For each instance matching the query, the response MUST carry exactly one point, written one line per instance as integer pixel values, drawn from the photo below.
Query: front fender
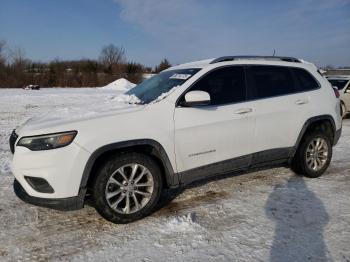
(170, 176)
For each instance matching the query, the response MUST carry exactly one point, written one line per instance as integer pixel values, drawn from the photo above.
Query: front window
(161, 84)
(224, 85)
(339, 83)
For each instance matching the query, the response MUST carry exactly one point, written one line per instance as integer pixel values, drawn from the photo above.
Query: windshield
(339, 83)
(152, 88)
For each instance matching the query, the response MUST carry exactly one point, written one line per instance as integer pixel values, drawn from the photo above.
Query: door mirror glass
(197, 98)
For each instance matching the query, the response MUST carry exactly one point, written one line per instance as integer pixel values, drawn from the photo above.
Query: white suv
(189, 122)
(342, 83)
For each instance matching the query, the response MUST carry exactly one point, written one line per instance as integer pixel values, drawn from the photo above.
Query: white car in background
(343, 85)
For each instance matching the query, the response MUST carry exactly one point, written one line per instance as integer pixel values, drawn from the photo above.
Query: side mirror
(196, 98)
(347, 91)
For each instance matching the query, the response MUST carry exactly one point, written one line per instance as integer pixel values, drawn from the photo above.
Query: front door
(217, 137)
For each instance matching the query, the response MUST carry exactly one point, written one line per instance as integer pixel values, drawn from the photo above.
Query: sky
(180, 30)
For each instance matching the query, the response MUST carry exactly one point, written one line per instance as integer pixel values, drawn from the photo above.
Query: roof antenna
(274, 52)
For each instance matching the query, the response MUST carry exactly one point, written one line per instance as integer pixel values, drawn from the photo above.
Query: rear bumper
(63, 204)
(337, 136)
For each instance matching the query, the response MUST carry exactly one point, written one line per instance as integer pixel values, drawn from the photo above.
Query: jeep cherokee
(189, 122)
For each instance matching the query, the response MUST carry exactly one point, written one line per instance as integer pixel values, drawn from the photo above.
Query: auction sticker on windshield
(180, 76)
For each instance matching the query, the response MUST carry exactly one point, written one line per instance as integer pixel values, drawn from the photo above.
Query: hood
(74, 114)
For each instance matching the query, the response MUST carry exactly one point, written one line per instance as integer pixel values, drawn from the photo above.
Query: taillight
(336, 92)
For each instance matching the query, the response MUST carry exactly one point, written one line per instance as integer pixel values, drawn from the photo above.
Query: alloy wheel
(317, 154)
(129, 188)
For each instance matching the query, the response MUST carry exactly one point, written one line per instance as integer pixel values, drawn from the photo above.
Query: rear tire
(313, 155)
(127, 187)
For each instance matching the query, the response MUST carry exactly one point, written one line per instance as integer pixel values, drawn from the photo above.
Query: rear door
(219, 133)
(281, 110)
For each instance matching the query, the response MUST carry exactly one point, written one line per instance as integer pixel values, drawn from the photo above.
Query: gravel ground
(263, 215)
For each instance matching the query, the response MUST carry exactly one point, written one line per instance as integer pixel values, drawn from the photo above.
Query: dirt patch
(192, 201)
(29, 106)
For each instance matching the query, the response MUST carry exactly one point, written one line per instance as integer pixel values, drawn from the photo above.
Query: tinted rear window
(305, 81)
(270, 81)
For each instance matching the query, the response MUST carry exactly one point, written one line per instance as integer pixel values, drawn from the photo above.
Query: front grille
(12, 141)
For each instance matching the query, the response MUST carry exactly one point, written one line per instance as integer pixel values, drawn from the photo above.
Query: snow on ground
(262, 215)
(120, 84)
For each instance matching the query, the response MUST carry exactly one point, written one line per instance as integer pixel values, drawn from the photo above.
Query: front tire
(127, 187)
(313, 155)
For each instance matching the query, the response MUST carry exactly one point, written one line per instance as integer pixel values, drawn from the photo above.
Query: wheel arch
(147, 146)
(313, 122)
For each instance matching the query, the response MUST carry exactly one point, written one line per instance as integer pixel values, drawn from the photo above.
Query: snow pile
(126, 99)
(120, 84)
(183, 224)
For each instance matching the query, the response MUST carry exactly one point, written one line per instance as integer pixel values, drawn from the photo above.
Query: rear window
(305, 81)
(270, 81)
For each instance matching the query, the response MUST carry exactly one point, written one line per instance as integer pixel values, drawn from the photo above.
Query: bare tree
(17, 71)
(134, 72)
(164, 64)
(18, 66)
(112, 57)
(2, 52)
(3, 69)
(17, 55)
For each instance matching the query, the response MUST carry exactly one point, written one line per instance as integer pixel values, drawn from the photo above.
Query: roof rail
(279, 58)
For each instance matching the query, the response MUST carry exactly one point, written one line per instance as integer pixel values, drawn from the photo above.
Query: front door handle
(244, 111)
(302, 101)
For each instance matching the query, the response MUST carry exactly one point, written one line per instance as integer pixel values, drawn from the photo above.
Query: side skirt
(270, 157)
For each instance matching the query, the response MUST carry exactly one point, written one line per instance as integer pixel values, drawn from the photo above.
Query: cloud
(302, 9)
(177, 26)
(191, 16)
(185, 30)
(153, 15)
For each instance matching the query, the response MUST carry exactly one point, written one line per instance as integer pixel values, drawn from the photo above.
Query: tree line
(17, 71)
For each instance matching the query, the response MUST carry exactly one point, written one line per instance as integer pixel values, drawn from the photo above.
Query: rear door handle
(302, 101)
(244, 111)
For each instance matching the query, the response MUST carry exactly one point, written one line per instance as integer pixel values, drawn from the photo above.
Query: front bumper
(61, 168)
(63, 204)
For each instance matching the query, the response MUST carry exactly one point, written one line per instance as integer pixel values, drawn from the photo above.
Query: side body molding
(157, 149)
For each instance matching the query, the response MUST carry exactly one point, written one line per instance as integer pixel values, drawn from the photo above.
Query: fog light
(39, 184)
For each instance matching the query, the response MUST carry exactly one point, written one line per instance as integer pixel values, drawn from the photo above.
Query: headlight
(46, 142)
